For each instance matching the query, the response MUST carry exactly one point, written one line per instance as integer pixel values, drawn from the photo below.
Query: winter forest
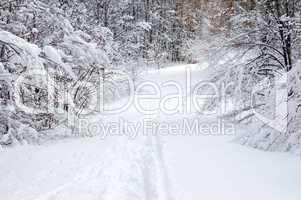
(150, 99)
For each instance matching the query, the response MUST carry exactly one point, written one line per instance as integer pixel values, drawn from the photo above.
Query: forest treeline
(130, 30)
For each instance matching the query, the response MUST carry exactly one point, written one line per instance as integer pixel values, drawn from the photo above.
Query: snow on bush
(77, 57)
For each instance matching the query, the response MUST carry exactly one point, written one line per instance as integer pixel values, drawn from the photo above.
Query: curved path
(188, 165)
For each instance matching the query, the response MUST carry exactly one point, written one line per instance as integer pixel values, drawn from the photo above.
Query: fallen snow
(149, 167)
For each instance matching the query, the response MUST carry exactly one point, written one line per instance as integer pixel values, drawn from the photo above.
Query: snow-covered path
(149, 167)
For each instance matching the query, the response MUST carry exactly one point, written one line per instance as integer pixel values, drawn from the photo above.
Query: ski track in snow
(130, 171)
(148, 167)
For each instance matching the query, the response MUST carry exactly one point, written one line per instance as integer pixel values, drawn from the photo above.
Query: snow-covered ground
(149, 167)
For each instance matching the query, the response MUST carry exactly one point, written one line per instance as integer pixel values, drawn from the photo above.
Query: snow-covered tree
(266, 35)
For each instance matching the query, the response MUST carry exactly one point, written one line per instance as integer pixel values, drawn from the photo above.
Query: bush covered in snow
(262, 48)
